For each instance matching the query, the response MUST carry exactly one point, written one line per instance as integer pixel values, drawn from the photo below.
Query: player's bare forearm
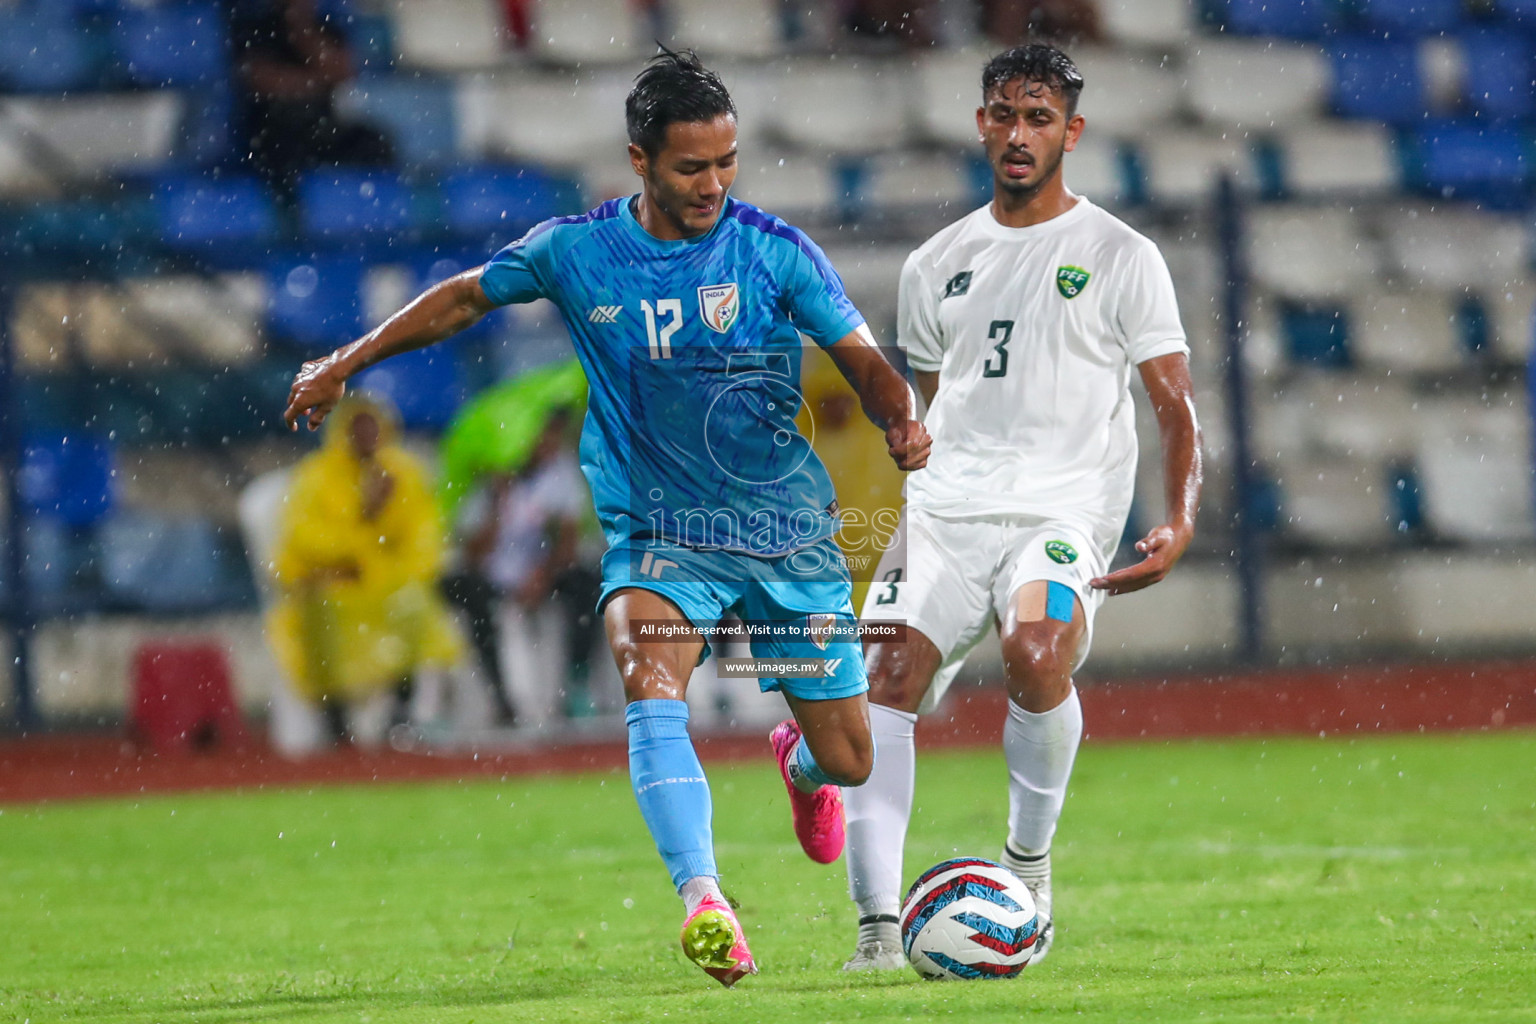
(885, 397)
(1173, 401)
(437, 313)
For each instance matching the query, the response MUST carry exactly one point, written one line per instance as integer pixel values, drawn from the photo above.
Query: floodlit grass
(1376, 879)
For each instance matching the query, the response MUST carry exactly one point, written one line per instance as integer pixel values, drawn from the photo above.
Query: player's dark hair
(674, 87)
(1035, 62)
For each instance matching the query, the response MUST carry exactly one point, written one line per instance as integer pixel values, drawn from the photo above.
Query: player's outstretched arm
(437, 313)
(885, 396)
(1173, 400)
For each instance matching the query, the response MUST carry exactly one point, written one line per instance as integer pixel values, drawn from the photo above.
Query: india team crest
(718, 305)
(1071, 281)
(819, 625)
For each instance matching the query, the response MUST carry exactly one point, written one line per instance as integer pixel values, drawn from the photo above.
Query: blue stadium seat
(1500, 69)
(167, 565)
(1316, 335)
(416, 113)
(67, 477)
(426, 385)
(195, 211)
(351, 204)
(1517, 10)
(315, 304)
(498, 201)
(1472, 160)
(1378, 79)
(172, 45)
(39, 53)
(1410, 17)
(1291, 19)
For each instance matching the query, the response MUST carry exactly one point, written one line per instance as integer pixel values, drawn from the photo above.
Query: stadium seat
(868, 117)
(1500, 67)
(1122, 94)
(499, 201)
(414, 111)
(582, 32)
(1315, 334)
(1097, 169)
(1147, 23)
(352, 204)
(1470, 159)
(1408, 332)
(315, 304)
(425, 385)
(1285, 19)
(39, 53)
(1333, 501)
(1184, 166)
(1455, 248)
(1257, 85)
(1378, 79)
(1410, 17)
(1512, 321)
(81, 137)
(730, 28)
(913, 181)
(557, 120)
(1321, 158)
(946, 92)
(446, 35)
(1475, 470)
(1358, 415)
(1309, 253)
(169, 564)
(67, 477)
(171, 45)
(789, 184)
(195, 212)
(871, 274)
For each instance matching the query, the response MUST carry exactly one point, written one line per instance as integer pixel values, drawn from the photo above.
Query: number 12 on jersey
(660, 335)
(1000, 333)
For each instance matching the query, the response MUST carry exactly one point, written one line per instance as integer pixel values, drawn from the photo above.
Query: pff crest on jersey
(719, 305)
(1071, 281)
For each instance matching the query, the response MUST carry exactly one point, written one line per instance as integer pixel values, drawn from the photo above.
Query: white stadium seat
(1147, 23)
(734, 28)
(790, 185)
(446, 35)
(1512, 321)
(1333, 500)
(1329, 157)
(1309, 252)
(841, 106)
(1368, 416)
(917, 180)
(871, 275)
(1456, 248)
(1475, 471)
(947, 88)
(577, 32)
(1406, 332)
(1095, 169)
(1184, 166)
(1258, 85)
(48, 140)
(563, 120)
(1124, 94)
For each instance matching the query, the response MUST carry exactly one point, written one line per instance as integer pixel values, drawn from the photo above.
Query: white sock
(697, 888)
(877, 814)
(1039, 750)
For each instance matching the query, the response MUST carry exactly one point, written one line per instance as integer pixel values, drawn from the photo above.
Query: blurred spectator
(1011, 22)
(289, 62)
(528, 548)
(909, 21)
(357, 560)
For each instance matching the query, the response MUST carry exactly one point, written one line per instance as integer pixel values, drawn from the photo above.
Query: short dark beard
(1019, 190)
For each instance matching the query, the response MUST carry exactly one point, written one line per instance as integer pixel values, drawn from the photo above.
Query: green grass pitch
(1373, 879)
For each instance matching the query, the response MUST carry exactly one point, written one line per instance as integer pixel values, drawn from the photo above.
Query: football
(967, 919)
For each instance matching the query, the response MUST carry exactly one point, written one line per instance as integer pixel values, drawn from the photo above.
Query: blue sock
(670, 787)
(803, 768)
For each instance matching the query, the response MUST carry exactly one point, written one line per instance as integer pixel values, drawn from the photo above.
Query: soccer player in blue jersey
(686, 309)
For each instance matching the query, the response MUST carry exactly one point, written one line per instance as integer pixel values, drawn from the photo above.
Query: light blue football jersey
(692, 353)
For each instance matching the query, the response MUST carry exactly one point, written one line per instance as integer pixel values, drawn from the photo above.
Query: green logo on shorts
(1071, 281)
(1060, 551)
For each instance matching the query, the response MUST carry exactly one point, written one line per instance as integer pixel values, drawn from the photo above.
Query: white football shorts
(954, 579)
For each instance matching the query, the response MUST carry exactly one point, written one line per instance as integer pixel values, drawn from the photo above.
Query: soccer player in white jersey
(1023, 322)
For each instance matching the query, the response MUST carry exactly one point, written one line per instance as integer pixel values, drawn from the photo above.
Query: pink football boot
(713, 939)
(818, 816)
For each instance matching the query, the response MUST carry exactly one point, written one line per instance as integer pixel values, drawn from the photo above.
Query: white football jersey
(1034, 333)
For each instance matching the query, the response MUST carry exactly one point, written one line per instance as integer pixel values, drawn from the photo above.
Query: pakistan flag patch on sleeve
(1071, 281)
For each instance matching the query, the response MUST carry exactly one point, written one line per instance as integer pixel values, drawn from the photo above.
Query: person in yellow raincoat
(357, 561)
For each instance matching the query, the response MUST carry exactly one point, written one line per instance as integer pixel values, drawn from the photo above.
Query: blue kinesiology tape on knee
(1059, 600)
(670, 787)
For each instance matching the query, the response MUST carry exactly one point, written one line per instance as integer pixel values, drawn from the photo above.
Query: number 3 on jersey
(661, 335)
(1000, 333)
